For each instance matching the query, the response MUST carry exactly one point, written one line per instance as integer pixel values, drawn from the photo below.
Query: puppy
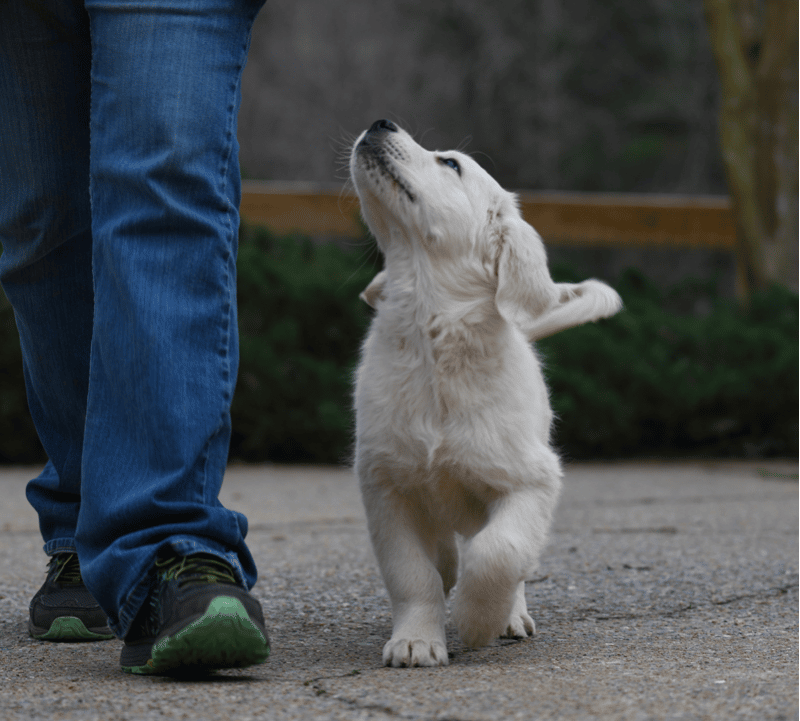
(452, 412)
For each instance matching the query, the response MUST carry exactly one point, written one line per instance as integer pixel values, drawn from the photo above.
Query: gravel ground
(668, 591)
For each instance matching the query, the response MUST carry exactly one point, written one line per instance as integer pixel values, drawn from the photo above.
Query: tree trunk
(755, 43)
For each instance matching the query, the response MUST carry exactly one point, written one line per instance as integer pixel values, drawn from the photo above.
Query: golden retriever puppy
(452, 412)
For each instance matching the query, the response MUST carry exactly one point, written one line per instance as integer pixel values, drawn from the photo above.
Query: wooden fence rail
(679, 221)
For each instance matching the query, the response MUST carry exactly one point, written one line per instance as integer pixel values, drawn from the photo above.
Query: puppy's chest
(459, 353)
(428, 393)
(442, 358)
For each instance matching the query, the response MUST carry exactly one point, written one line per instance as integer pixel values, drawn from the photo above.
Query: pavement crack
(653, 529)
(666, 500)
(766, 593)
(634, 616)
(587, 614)
(316, 684)
(327, 525)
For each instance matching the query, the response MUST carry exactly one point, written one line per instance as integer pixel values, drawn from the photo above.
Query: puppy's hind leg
(405, 545)
(490, 595)
(520, 624)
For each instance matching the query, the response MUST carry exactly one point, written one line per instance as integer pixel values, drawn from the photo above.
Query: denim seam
(227, 258)
(231, 211)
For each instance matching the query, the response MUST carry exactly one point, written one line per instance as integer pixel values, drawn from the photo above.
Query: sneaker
(63, 609)
(197, 617)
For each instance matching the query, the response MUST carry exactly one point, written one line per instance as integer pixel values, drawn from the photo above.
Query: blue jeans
(119, 197)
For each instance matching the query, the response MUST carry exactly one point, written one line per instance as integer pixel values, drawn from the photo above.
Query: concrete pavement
(668, 591)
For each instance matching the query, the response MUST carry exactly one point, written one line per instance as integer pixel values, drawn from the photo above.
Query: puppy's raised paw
(404, 652)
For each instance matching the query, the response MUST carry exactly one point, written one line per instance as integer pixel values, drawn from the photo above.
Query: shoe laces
(67, 569)
(195, 569)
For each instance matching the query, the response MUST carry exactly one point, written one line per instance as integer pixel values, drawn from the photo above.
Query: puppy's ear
(374, 291)
(524, 287)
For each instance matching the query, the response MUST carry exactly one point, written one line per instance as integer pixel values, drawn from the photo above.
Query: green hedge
(300, 324)
(18, 440)
(676, 373)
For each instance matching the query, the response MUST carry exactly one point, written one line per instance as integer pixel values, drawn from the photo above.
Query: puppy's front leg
(577, 303)
(490, 594)
(405, 545)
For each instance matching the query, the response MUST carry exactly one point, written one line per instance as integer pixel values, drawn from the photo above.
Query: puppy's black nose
(382, 126)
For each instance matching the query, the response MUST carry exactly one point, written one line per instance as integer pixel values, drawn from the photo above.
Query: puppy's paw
(520, 625)
(480, 611)
(404, 652)
(477, 635)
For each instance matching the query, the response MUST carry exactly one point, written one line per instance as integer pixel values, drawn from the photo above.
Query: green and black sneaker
(197, 617)
(63, 609)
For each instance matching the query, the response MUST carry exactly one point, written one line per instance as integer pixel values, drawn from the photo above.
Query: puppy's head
(444, 207)
(438, 199)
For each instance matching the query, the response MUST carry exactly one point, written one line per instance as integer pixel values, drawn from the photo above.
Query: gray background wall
(614, 96)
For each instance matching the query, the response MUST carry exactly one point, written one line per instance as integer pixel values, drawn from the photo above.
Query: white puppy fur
(452, 412)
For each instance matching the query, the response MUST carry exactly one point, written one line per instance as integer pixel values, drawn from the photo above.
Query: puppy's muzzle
(378, 151)
(377, 133)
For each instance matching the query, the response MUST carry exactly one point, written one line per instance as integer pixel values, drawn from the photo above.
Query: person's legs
(165, 192)
(135, 472)
(45, 231)
(46, 272)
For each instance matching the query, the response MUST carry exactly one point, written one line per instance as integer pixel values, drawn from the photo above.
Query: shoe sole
(69, 628)
(223, 637)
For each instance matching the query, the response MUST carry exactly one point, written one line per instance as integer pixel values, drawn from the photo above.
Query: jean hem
(60, 545)
(136, 599)
(189, 546)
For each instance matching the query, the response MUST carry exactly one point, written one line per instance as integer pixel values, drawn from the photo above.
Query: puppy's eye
(452, 163)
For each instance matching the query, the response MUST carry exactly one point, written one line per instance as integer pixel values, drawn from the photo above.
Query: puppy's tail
(577, 304)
